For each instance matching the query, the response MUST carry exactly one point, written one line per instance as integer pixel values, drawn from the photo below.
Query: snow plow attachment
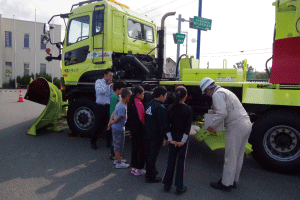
(43, 92)
(216, 141)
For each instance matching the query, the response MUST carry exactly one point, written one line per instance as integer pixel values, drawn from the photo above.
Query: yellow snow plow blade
(43, 92)
(216, 141)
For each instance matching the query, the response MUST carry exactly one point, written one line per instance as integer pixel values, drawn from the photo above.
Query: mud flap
(216, 141)
(43, 92)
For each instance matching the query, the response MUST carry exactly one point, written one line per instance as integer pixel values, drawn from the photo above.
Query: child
(178, 120)
(118, 87)
(155, 132)
(117, 123)
(136, 119)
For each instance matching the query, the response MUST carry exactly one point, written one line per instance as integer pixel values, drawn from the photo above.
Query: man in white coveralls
(228, 108)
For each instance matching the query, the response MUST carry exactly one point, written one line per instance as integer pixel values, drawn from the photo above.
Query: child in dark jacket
(136, 119)
(155, 136)
(178, 120)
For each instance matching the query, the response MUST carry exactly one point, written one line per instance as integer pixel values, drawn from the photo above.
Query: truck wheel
(81, 117)
(275, 139)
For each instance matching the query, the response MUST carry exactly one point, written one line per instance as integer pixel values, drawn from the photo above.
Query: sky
(241, 29)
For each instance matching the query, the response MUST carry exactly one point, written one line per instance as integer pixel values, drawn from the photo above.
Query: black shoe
(233, 185)
(167, 188)
(94, 146)
(219, 186)
(155, 180)
(180, 191)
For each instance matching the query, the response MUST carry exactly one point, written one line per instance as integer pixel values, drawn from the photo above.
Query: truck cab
(98, 35)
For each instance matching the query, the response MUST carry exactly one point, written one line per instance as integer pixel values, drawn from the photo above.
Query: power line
(170, 2)
(175, 8)
(237, 51)
(229, 55)
(185, 5)
(236, 55)
(147, 5)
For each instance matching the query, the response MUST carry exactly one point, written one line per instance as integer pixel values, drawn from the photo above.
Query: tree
(240, 65)
(250, 68)
(262, 75)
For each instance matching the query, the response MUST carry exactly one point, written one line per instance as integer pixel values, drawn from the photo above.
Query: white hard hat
(205, 82)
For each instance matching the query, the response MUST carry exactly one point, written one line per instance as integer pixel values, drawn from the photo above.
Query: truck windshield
(140, 31)
(78, 29)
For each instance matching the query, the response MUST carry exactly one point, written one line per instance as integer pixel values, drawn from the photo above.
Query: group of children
(150, 128)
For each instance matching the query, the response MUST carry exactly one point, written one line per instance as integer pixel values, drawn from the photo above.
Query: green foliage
(56, 82)
(251, 69)
(262, 75)
(9, 85)
(25, 80)
(240, 65)
(48, 77)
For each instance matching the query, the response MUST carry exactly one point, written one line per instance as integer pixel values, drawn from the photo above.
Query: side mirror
(46, 29)
(45, 40)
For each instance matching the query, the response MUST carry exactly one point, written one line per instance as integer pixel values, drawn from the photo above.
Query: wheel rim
(282, 143)
(84, 118)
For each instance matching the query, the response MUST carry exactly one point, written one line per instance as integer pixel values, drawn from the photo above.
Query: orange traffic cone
(20, 97)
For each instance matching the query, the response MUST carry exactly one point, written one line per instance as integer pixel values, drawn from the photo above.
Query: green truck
(103, 34)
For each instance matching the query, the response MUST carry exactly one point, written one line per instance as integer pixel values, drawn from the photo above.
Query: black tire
(275, 139)
(81, 117)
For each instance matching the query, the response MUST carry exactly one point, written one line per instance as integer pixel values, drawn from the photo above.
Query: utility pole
(34, 75)
(52, 63)
(199, 31)
(179, 31)
(186, 42)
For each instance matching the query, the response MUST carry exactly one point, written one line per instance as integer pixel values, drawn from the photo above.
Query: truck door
(77, 46)
(118, 32)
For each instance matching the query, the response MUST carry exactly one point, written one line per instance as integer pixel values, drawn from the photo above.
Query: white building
(25, 49)
(170, 68)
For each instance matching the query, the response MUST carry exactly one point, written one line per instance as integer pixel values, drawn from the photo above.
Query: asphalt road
(52, 166)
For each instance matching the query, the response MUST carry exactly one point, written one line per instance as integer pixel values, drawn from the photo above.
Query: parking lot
(53, 166)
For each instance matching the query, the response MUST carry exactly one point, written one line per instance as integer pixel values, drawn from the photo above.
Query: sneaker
(137, 173)
(133, 170)
(122, 165)
(167, 188)
(122, 161)
(153, 180)
(141, 171)
(180, 191)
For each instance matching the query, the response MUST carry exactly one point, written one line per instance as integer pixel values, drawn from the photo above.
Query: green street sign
(201, 23)
(178, 38)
